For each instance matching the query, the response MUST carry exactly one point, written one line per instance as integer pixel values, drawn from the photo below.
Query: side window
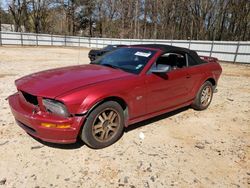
(175, 60)
(191, 61)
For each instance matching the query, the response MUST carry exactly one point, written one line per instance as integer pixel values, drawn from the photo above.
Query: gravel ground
(185, 148)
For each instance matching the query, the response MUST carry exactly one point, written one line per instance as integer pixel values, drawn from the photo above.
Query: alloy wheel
(106, 125)
(206, 95)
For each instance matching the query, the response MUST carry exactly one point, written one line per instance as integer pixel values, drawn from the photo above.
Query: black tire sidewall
(86, 134)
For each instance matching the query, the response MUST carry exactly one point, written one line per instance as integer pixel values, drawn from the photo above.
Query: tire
(104, 125)
(203, 97)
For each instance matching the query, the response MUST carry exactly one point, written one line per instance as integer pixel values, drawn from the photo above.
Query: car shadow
(155, 119)
(132, 127)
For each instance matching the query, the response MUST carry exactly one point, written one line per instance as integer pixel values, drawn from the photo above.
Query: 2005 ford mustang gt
(96, 101)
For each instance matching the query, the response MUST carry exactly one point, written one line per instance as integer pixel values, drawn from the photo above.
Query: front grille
(30, 98)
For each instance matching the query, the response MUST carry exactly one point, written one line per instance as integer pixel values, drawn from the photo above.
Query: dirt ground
(186, 148)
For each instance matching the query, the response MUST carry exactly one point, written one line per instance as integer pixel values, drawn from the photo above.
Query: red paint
(81, 87)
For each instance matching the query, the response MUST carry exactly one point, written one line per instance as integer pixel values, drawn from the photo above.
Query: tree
(1, 16)
(16, 8)
(39, 13)
(157, 19)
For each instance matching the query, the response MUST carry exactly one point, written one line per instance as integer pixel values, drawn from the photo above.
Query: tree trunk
(155, 10)
(145, 18)
(135, 19)
(0, 19)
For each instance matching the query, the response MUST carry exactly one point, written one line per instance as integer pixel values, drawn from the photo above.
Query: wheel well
(119, 100)
(116, 99)
(212, 81)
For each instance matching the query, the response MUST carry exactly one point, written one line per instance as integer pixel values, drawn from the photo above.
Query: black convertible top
(169, 49)
(163, 47)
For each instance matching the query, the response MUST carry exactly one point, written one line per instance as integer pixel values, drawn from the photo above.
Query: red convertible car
(96, 101)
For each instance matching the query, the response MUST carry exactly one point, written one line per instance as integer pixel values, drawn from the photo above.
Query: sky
(4, 4)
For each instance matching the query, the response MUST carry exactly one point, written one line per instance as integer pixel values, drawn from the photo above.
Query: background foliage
(151, 19)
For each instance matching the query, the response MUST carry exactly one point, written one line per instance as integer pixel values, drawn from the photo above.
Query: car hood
(55, 82)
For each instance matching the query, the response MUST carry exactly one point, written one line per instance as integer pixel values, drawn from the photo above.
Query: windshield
(131, 60)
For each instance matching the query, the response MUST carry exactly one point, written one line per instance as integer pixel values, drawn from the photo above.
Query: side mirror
(160, 68)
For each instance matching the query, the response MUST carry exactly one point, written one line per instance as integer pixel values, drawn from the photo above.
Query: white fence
(224, 50)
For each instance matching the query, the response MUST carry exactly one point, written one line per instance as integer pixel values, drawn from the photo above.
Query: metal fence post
(65, 40)
(236, 53)
(211, 50)
(21, 38)
(1, 43)
(89, 42)
(79, 40)
(51, 36)
(189, 44)
(36, 39)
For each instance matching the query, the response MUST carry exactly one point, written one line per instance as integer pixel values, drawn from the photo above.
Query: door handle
(188, 76)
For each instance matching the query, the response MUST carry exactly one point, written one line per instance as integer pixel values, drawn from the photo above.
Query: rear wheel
(104, 125)
(203, 97)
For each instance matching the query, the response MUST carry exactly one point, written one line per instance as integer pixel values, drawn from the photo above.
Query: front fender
(82, 100)
(91, 101)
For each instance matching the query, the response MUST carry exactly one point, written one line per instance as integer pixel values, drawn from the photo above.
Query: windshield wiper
(112, 66)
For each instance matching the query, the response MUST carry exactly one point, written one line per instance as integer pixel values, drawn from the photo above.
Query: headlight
(55, 107)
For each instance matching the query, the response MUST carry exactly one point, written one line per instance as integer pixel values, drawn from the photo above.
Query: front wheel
(104, 125)
(203, 97)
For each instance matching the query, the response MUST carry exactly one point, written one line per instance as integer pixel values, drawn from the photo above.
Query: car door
(196, 72)
(167, 90)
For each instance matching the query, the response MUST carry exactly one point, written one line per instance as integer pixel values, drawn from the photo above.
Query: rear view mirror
(160, 68)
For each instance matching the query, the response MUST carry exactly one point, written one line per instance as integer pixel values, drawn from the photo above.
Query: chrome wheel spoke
(101, 118)
(207, 90)
(106, 135)
(112, 117)
(106, 125)
(102, 134)
(98, 128)
(104, 116)
(111, 113)
(112, 127)
(202, 99)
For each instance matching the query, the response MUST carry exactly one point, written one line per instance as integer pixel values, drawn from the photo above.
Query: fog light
(52, 125)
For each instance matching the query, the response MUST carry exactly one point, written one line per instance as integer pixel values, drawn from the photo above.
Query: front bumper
(31, 121)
